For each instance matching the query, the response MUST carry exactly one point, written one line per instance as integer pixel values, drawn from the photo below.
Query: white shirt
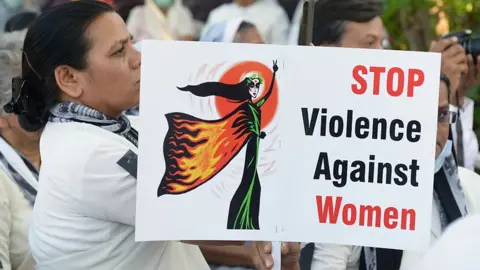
(344, 257)
(456, 249)
(84, 213)
(268, 16)
(15, 214)
(470, 142)
(295, 27)
(148, 22)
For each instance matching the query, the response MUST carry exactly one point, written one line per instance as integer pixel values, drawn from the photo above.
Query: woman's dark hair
(56, 38)
(245, 26)
(20, 21)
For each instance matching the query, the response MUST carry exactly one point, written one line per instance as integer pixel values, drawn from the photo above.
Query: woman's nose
(137, 57)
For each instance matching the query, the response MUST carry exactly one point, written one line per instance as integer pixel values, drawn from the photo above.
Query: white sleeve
(5, 227)
(211, 19)
(333, 257)
(456, 249)
(470, 142)
(20, 213)
(295, 27)
(108, 192)
(279, 31)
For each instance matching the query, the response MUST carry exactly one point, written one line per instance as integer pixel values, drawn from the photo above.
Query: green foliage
(411, 26)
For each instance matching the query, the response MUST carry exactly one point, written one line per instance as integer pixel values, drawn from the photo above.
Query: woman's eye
(120, 52)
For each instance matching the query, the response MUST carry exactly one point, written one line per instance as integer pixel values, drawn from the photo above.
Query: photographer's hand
(471, 79)
(454, 62)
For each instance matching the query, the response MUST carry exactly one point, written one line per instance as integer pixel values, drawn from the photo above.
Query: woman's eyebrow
(121, 42)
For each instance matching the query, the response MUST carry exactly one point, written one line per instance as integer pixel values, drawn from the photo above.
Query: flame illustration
(196, 150)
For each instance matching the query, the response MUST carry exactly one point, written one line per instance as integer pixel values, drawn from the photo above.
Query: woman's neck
(29, 147)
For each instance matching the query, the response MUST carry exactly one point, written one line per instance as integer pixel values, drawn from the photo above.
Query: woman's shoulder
(78, 142)
(11, 195)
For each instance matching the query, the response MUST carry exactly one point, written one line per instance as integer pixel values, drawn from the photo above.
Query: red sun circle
(235, 75)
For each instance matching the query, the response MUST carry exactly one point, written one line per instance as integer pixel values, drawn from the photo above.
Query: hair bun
(32, 112)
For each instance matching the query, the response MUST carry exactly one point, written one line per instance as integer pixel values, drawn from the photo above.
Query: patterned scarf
(19, 167)
(72, 112)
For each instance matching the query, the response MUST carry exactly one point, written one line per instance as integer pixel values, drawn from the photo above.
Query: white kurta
(84, 213)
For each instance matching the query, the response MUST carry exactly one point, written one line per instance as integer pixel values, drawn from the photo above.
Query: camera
(470, 44)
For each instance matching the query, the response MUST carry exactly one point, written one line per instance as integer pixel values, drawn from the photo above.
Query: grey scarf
(72, 112)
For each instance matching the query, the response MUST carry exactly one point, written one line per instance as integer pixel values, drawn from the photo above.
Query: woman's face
(111, 82)
(254, 88)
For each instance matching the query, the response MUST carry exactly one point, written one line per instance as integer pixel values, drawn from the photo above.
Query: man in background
(464, 137)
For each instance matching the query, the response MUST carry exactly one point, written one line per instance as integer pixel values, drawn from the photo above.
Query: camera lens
(472, 46)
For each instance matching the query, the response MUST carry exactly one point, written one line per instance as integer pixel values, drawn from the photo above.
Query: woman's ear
(69, 81)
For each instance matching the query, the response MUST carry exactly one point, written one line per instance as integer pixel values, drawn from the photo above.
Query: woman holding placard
(84, 215)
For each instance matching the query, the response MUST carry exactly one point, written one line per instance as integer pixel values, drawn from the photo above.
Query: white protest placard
(286, 143)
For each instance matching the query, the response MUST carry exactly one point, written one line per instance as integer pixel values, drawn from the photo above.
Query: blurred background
(413, 24)
(410, 24)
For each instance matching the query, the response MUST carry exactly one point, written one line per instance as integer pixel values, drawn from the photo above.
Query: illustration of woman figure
(195, 150)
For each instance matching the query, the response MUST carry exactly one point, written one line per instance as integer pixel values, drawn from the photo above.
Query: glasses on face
(447, 116)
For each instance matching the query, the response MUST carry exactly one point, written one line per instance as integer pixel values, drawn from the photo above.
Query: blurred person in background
(8, 8)
(201, 9)
(18, 176)
(289, 6)
(19, 149)
(124, 7)
(84, 214)
(464, 137)
(20, 21)
(294, 31)
(161, 19)
(456, 249)
(235, 30)
(270, 19)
